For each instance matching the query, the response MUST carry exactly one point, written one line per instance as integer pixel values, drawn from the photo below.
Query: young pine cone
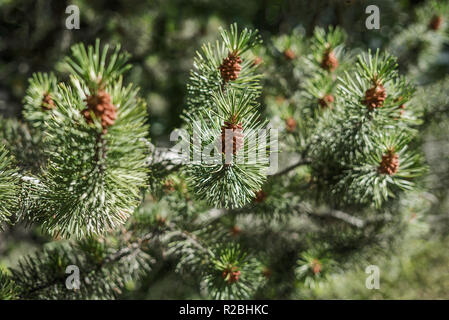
(316, 266)
(260, 196)
(231, 274)
(230, 67)
(100, 104)
(290, 124)
(233, 139)
(47, 102)
(390, 163)
(257, 61)
(435, 23)
(330, 61)
(326, 101)
(401, 107)
(289, 54)
(375, 96)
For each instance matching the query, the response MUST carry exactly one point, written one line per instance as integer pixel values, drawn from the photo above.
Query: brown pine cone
(260, 196)
(47, 102)
(435, 23)
(230, 67)
(290, 124)
(326, 101)
(375, 96)
(100, 104)
(231, 274)
(257, 61)
(169, 186)
(267, 272)
(329, 61)
(402, 107)
(234, 140)
(390, 163)
(316, 266)
(289, 54)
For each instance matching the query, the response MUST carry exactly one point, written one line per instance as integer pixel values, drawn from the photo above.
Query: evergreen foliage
(9, 187)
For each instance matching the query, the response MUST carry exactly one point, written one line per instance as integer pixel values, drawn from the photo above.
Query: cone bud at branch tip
(289, 54)
(375, 96)
(435, 23)
(231, 137)
(260, 196)
(290, 124)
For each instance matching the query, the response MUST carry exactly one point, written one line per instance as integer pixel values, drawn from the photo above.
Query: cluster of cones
(101, 106)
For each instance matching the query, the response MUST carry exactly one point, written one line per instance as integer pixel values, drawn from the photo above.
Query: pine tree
(351, 164)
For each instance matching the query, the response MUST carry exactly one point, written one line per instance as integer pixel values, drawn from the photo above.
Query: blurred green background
(162, 37)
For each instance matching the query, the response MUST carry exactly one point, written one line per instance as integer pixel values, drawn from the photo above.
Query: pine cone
(230, 67)
(316, 266)
(257, 61)
(231, 274)
(235, 231)
(326, 101)
(47, 102)
(169, 186)
(330, 61)
(401, 107)
(101, 105)
(267, 272)
(289, 54)
(161, 221)
(236, 136)
(375, 96)
(260, 196)
(290, 123)
(435, 23)
(390, 163)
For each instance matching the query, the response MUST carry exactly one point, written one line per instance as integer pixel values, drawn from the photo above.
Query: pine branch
(96, 144)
